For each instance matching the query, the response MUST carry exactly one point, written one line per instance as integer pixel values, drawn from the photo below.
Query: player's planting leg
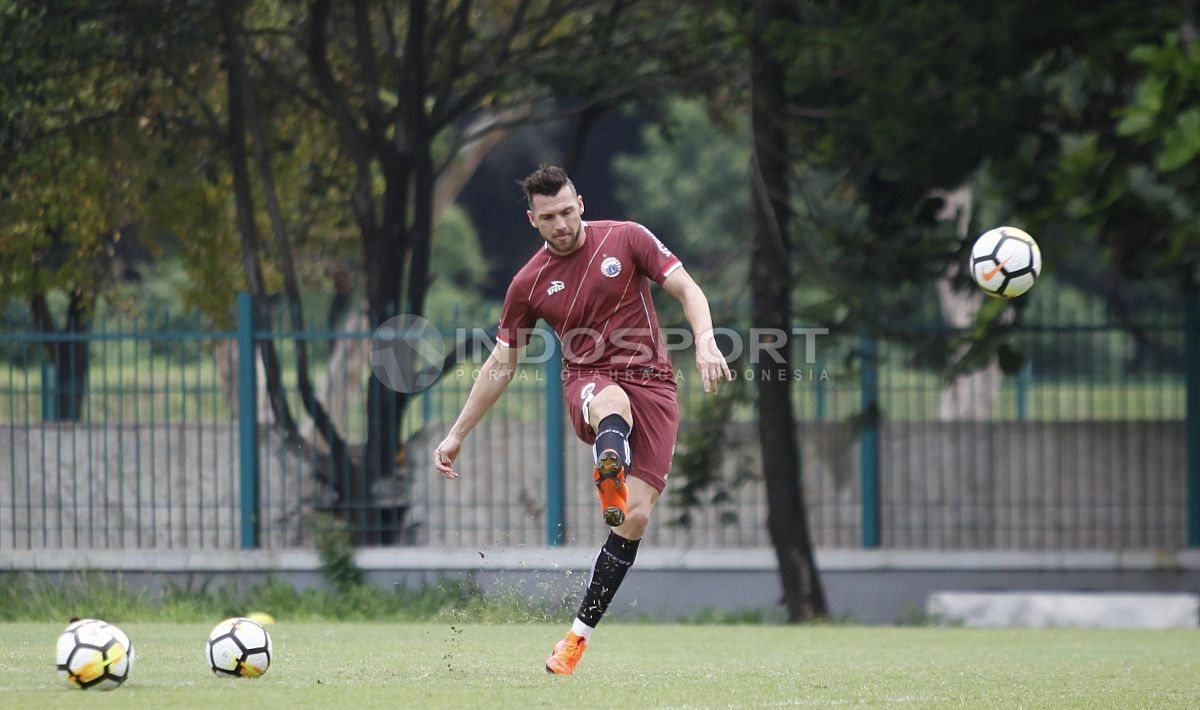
(615, 559)
(613, 562)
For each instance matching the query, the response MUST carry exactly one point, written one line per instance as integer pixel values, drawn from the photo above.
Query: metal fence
(166, 440)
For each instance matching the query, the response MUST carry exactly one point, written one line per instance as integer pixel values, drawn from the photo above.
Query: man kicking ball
(589, 281)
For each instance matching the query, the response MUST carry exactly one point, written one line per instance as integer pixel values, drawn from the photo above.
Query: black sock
(613, 434)
(615, 559)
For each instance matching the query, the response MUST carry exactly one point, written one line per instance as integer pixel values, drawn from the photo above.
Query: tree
(395, 80)
(771, 286)
(1120, 163)
(694, 184)
(690, 184)
(381, 108)
(73, 160)
(866, 109)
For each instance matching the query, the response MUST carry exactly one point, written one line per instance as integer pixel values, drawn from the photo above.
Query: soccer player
(589, 282)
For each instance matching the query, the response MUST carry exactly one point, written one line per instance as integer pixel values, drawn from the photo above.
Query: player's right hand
(444, 455)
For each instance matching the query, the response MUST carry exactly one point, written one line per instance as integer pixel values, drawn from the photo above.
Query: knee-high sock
(613, 434)
(614, 560)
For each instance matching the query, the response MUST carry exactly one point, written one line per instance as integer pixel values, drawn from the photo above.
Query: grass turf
(464, 665)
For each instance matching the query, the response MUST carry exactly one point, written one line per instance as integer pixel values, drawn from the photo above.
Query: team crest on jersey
(610, 267)
(555, 287)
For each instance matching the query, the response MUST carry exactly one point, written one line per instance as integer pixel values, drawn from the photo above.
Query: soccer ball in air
(93, 654)
(239, 648)
(1005, 262)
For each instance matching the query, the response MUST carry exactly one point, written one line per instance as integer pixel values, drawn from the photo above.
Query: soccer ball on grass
(238, 647)
(1005, 262)
(93, 654)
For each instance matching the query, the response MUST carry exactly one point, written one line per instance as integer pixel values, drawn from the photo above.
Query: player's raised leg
(609, 415)
(615, 559)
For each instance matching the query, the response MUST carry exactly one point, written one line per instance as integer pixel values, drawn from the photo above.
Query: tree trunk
(71, 358)
(235, 145)
(337, 388)
(337, 449)
(771, 286)
(384, 249)
(583, 128)
(225, 355)
(968, 395)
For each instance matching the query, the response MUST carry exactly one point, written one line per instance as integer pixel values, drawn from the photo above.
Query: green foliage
(92, 156)
(1158, 111)
(690, 185)
(1138, 162)
(156, 300)
(722, 617)
(1079, 125)
(336, 552)
(352, 597)
(29, 597)
(457, 266)
(916, 615)
(890, 100)
(699, 479)
(908, 96)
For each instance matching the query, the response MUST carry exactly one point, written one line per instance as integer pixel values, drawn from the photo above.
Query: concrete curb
(578, 558)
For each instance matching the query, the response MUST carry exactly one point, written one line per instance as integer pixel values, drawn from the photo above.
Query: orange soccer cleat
(566, 654)
(610, 485)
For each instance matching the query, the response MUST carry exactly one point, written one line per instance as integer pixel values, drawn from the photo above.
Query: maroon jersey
(597, 299)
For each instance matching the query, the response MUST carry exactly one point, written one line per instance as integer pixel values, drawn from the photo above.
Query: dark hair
(547, 180)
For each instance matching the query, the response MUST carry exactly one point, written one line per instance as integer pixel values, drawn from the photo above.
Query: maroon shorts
(655, 417)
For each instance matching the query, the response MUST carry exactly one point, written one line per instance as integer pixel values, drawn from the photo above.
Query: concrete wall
(143, 487)
(1035, 485)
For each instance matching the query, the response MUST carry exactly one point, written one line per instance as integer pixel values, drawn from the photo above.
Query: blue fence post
(869, 443)
(556, 527)
(1191, 341)
(248, 419)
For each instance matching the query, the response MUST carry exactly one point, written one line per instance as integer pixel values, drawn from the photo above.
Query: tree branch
(365, 48)
(316, 51)
(471, 97)
(337, 446)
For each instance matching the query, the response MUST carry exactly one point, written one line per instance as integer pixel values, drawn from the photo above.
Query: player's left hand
(710, 361)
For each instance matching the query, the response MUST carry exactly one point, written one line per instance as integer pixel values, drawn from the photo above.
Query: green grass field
(451, 665)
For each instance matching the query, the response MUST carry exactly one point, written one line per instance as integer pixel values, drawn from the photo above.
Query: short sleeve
(651, 256)
(516, 320)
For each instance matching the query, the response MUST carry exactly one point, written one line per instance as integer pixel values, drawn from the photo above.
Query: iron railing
(166, 440)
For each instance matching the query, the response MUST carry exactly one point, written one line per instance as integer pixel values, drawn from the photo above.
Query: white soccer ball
(93, 654)
(238, 648)
(1005, 262)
